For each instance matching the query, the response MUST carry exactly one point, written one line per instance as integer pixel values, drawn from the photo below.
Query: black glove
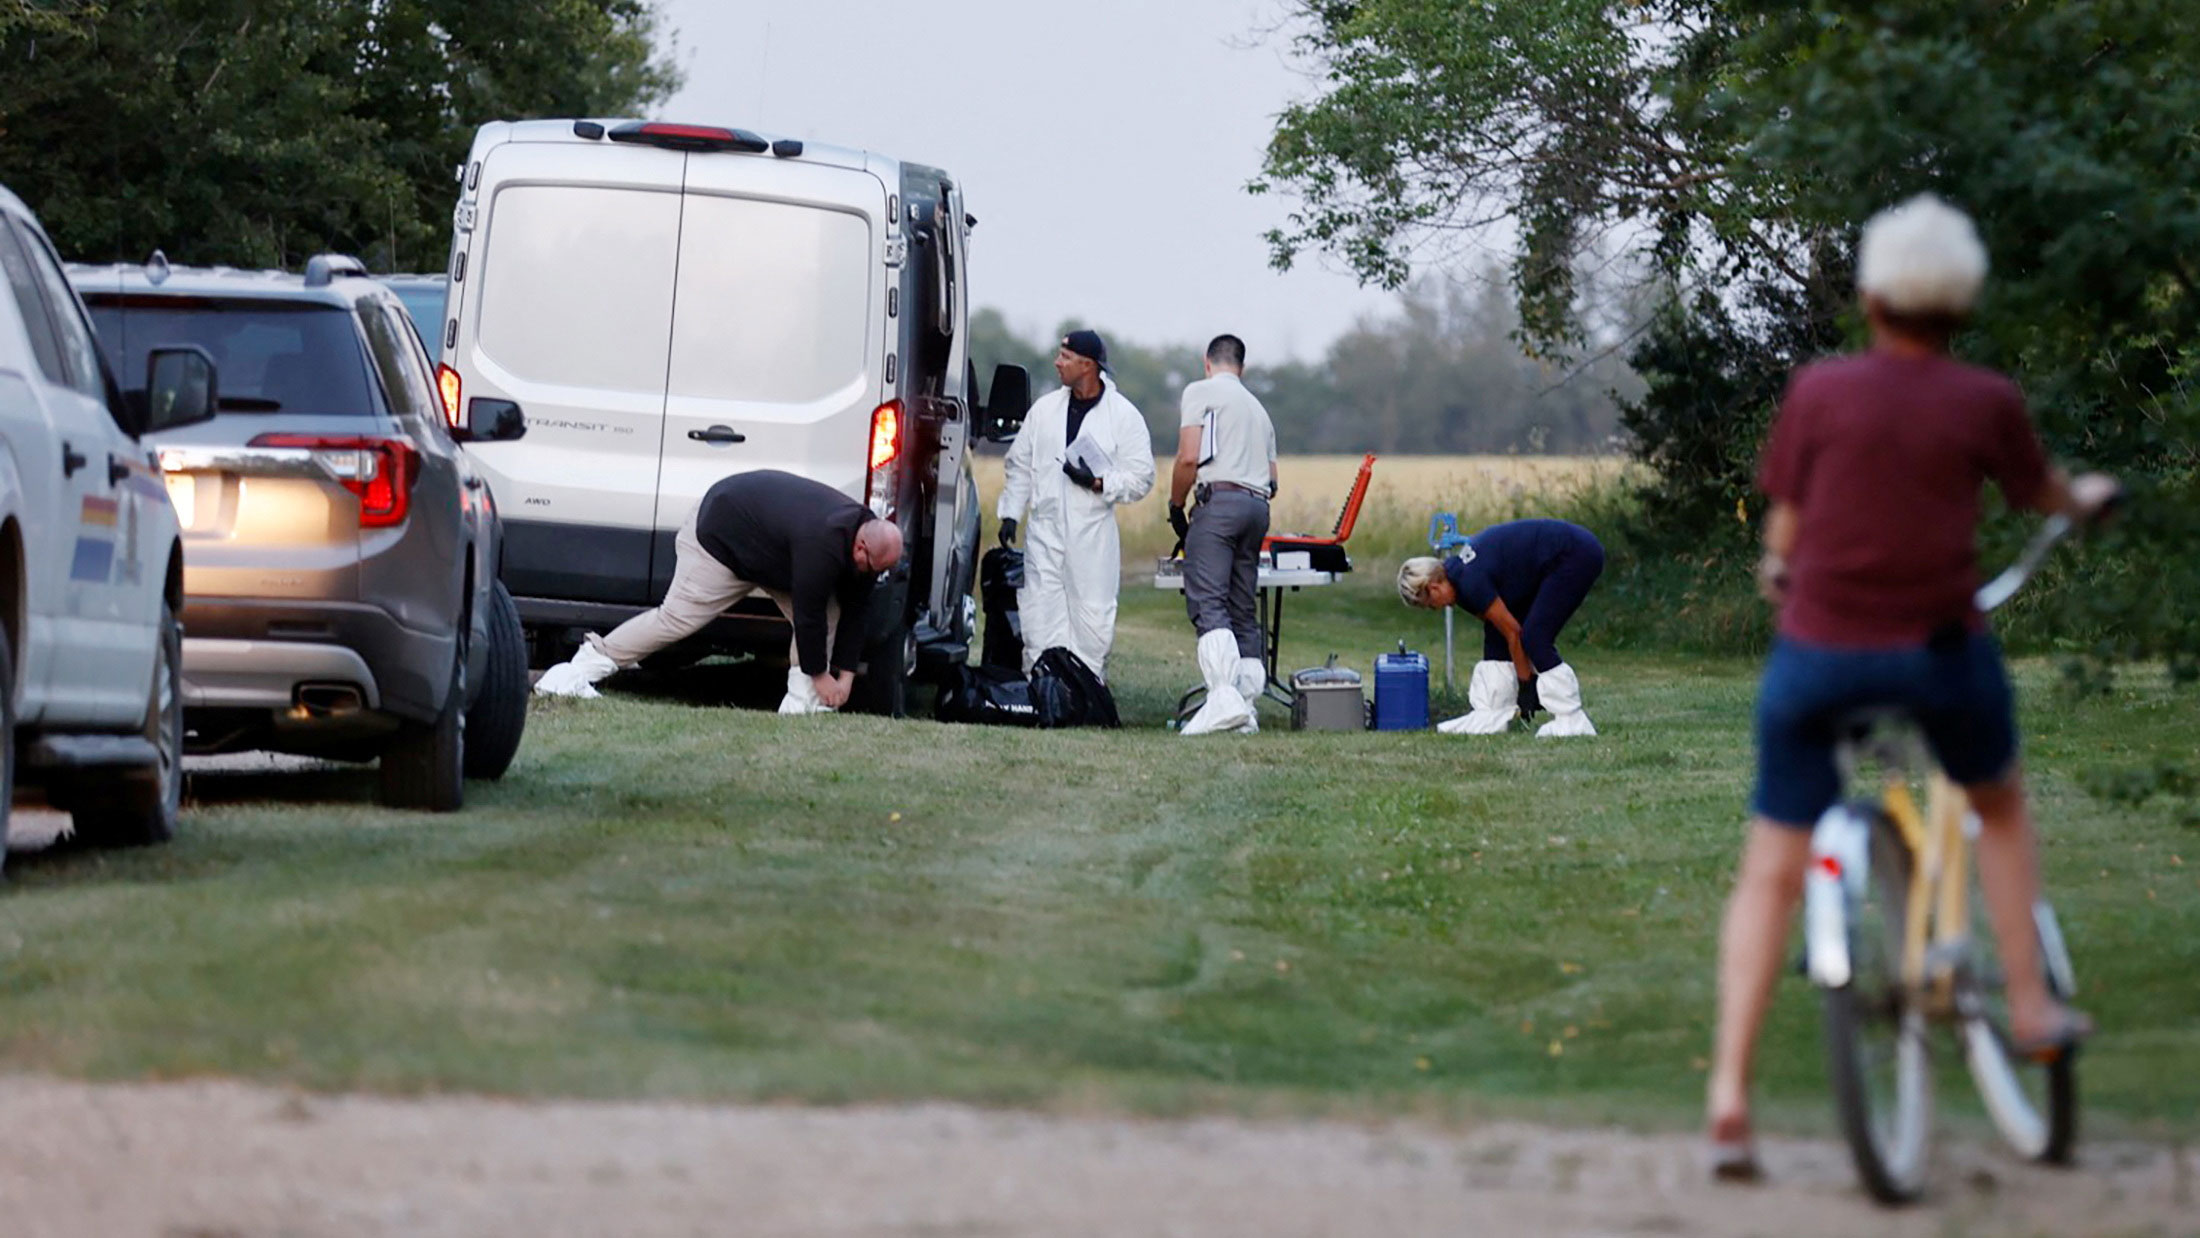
(1179, 523)
(1008, 532)
(1273, 486)
(1077, 472)
(1530, 703)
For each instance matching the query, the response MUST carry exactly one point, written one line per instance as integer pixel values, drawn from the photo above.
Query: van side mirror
(180, 389)
(491, 420)
(1005, 404)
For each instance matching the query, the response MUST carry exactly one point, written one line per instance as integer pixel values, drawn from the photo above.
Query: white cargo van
(673, 304)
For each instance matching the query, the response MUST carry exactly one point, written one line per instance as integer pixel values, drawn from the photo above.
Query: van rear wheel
(883, 687)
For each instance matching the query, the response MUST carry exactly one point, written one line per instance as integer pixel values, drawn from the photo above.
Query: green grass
(671, 900)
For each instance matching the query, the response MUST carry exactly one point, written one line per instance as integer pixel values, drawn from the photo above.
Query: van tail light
(886, 429)
(447, 386)
(381, 471)
(689, 137)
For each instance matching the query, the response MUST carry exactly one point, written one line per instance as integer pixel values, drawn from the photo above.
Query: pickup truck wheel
(7, 744)
(498, 716)
(424, 764)
(139, 807)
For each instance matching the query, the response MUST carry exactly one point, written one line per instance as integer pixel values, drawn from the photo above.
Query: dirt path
(228, 1160)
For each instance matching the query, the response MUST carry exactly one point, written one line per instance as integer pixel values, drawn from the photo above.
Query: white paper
(1092, 455)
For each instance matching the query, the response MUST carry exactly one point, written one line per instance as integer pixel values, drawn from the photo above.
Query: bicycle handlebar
(1995, 593)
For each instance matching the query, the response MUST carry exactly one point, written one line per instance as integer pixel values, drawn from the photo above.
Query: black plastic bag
(1000, 575)
(1065, 692)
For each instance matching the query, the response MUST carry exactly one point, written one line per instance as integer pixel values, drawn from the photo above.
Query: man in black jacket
(816, 553)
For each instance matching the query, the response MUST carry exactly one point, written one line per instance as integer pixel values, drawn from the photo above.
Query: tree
(54, 18)
(1440, 118)
(1440, 374)
(258, 132)
(1744, 142)
(1444, 374)
(1739, 145)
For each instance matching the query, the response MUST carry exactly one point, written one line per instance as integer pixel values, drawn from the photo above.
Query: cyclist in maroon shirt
(1874, 470)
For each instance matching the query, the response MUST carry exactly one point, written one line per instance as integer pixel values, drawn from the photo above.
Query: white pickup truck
(91, 569)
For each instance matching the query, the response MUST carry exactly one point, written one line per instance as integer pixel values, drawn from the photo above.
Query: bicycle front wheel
(1876, 1047)
(2034, 1104)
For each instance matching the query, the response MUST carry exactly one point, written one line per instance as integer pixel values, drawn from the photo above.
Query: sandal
(2071, 1028)
(1733, 1154)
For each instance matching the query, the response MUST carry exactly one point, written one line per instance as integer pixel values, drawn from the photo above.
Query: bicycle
(1890, 906)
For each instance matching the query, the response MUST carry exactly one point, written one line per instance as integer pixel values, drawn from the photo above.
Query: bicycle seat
(1858, 725)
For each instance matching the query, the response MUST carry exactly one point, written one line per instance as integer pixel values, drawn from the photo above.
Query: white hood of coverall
(1073, 552)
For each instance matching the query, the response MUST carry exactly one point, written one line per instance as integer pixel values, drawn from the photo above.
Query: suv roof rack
(324, 269)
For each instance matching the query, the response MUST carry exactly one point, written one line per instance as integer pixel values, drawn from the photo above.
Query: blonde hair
(1923, 257)
(1414, 578)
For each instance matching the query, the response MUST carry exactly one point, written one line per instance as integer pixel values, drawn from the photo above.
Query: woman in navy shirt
(1523, 580)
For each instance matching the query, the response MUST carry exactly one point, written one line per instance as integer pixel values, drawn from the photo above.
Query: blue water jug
(1401, 691)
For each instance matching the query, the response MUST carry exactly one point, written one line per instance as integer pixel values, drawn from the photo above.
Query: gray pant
(1222, 567)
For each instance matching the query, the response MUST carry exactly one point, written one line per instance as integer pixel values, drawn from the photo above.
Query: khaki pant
(702, 589)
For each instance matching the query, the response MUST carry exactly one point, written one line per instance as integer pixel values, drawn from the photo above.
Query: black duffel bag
(1065, 692)
(986, 696)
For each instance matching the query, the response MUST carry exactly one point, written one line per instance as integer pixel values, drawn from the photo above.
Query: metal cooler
(1328, 698)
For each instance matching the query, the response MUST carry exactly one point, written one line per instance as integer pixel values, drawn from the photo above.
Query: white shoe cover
(1560, 691)
(801, 695)
(1225, 708)
(1252, 684)
(1493, 700)
(579, 675)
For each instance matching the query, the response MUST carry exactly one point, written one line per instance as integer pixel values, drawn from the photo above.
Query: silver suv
(340, 551)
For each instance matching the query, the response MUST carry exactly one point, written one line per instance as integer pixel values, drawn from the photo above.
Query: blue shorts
(1959, 697)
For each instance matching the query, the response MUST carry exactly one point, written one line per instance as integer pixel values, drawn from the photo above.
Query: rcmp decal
(94, 557)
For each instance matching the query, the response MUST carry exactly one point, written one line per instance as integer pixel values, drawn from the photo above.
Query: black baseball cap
(1087, 344)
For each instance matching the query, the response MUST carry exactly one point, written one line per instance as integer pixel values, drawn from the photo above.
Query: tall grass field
(1403, 492)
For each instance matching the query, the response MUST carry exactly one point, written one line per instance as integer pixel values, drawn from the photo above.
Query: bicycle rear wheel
(2034, 1104)
(1876, 1047)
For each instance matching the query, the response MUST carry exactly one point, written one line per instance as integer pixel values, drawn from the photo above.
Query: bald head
(878, 545)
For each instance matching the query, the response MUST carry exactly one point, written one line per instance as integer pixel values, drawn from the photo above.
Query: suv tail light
(447, 385)
(380, 471)
(878, 489)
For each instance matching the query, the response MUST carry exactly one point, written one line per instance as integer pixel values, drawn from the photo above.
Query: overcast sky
(1104, 147)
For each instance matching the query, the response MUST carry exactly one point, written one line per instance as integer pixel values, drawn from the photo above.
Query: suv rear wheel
(139, 807)
(424, 764)
(499, 715)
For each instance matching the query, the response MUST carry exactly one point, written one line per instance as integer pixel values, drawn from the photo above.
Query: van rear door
(778, 328)
(565, 306)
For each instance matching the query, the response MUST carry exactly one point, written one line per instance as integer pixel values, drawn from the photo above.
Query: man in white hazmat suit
(1226, 455)
(1083, 449)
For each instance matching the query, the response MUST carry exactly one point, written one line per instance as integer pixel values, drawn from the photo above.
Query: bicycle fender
(1840, 865)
